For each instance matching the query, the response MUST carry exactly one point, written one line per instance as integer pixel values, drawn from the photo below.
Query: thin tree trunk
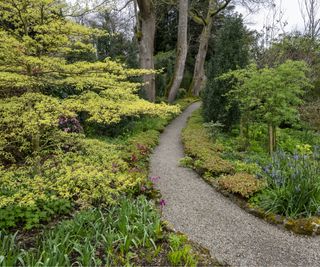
(274, 139)
(199, 77)
(182, 50)
(199, 73)
(271, 139)
(146, 27)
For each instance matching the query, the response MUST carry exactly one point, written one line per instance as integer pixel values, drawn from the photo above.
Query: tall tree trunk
(146, 27)
(182, 50)
(199, 77)
(199, 73)
(274, 138)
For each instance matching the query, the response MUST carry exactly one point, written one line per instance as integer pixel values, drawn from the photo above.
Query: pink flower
(143, 188)
(154, 178)
(134, 158)
(162, 203)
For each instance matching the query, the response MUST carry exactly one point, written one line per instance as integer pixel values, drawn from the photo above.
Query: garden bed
(239, 175)
(96, 222)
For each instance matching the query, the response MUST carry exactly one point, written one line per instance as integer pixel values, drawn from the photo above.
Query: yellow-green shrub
(97, 174)
(198, 145)
(36, 40)
(251, 168)
(30, 124)
(42, 160)
(243, 184)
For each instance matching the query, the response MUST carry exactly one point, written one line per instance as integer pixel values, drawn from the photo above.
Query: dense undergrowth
(285, 184)
(83, 172)
(130, 232)
(91, 206)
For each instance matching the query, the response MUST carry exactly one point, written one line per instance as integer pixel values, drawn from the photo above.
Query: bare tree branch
(220, 8)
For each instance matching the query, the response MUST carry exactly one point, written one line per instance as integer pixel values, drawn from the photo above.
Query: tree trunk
(271, 141)
(199, 73)
(199, 77)
(274, 139)
(146, 27)
(182, 50)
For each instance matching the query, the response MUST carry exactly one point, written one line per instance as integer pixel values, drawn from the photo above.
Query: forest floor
(231, 234)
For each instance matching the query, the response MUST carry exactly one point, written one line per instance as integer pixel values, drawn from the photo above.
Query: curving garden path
(231, 234)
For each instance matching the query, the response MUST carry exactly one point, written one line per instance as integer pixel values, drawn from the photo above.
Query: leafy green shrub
(198, 145)
(231, 52)
(164, 60)
(29, 125)
(251, 168)
(144, 124)
(31, 216)
(181, 253)
(97, 174)
(242, 183)
(181, 93)
(186, 162)
(310, 112)
(290, 139)
(293, 185)
(92, 238)
(213, 128)
(259, 91)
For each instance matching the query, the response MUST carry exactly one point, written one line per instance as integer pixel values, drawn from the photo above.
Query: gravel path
(231, 234)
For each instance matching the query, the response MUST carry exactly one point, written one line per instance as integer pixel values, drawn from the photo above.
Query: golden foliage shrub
(95, 175)
(243, 184)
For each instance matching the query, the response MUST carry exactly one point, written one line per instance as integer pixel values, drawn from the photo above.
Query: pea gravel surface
(232, 235)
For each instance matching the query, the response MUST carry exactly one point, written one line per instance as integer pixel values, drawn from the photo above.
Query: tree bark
(199, 77)
(272, 138)
(146, 27)
(199, 73)
(182, 50)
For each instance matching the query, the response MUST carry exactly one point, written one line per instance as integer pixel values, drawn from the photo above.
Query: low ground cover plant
(96, 237)
(181, 253)
(286, 183)
(243, 184)
(293, 185)
(104, 183)
(199, 146)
